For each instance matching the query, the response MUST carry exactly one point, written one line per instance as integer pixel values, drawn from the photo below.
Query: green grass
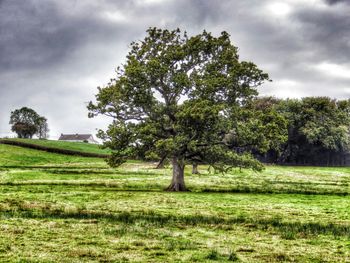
(14, 156)
(56, 208)
(74, 146)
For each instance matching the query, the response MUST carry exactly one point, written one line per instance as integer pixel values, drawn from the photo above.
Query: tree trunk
(160, 165)
(328, 158)
(195, 168)
(178, 180)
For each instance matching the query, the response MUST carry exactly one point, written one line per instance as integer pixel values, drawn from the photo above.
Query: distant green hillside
(19, 156)
(71, 146)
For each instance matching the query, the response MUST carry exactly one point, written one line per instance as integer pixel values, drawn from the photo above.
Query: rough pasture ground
(56, 208)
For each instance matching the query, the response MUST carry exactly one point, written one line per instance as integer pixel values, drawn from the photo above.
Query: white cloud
(283, 88)
(280, 9)
(114, 16)
(335, 70)
(151, 2)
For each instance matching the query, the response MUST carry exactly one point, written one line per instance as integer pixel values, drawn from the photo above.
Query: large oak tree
(179, 97)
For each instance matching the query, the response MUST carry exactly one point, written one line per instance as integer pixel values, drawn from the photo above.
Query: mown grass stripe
(285, 228)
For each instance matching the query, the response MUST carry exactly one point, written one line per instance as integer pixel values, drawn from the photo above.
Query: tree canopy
(179, 96)
(307, 131)
(26, 123)
(318, 127)
(259, 127)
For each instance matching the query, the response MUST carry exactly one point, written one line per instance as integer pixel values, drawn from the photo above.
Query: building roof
(73, 137)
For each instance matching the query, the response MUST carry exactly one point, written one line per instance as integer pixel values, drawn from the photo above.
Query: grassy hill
(58, 208)
(19, 156)
(59, 146)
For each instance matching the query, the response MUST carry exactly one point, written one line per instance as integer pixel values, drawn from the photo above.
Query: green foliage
(43, 128)
(26, 122)
(259, 128)
(176, 96)
(321, 121)
(317, 125)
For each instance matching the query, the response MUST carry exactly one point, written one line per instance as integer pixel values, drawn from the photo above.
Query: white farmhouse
(88, 138)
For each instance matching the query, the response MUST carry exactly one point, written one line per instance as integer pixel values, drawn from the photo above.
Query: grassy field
(56, 208)
(74, 146)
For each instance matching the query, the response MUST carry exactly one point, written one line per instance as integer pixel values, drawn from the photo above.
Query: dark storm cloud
(39, 33)
(33, 35)
(327, 32)
(48, 52)
(332, 2)
(285, 46)
(54, 53)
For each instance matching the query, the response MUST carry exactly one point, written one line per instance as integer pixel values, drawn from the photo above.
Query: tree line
(316, 131)
(191, 100)
(307, 131)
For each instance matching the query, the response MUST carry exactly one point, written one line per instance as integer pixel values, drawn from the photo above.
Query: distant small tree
(26, 123)
(43, 128)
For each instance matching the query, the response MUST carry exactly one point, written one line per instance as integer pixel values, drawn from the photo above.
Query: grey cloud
(32, 35)
(332, 2)
(54, 53)
(40, 34)
(327, 32)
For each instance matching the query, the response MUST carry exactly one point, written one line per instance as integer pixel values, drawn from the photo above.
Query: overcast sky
(54, 53)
